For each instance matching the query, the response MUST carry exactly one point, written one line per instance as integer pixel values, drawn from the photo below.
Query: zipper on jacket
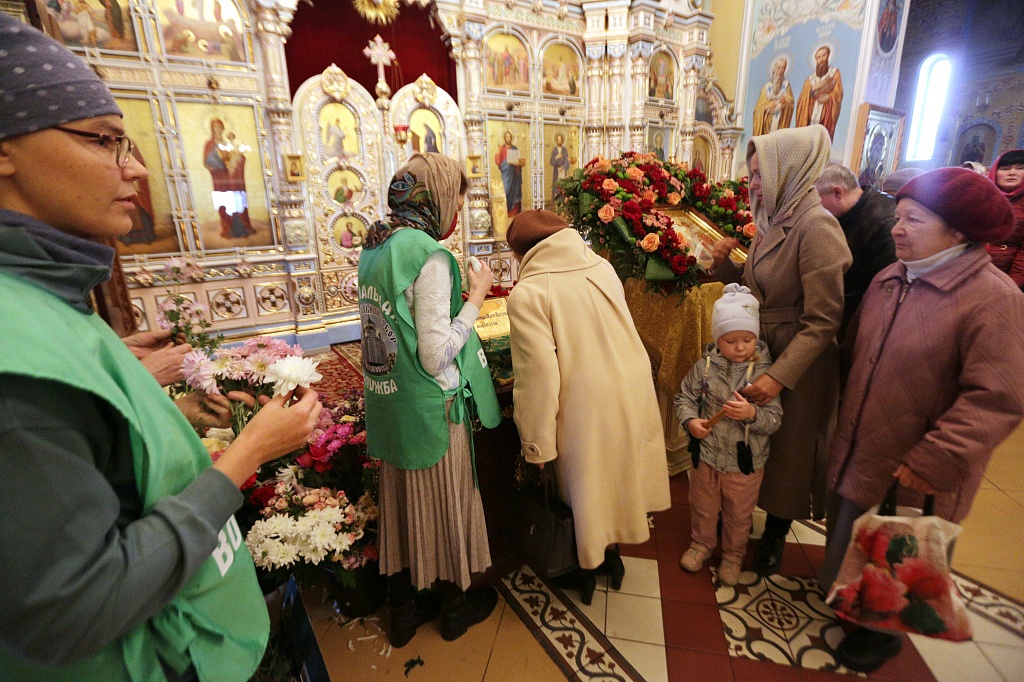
(904, 290)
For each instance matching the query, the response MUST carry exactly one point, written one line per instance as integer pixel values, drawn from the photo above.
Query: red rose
(881, 592)
(680, 264)
(262, 495)
(922, 579)
(249, 482)
(631, 210)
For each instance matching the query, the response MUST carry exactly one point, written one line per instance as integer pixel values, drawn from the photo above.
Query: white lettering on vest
(482, 357)
(371, 293)
(228, 540)
(381, 387)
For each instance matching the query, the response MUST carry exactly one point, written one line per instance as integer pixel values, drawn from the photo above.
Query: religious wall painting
(977, 142)
(775, 100)
(877, 147)
(225, 171)
(887, 31)
(100, 24)
(508, 154)
(561, 156)
(426, 133)
(659, 142)
(344, 187)
(202, 29)
(153, 229)
(338, 137)
(562, 71)
(820, 56)
(661, 81)
(348, 232)
(703, 111)
(702, 155)
(506, 63)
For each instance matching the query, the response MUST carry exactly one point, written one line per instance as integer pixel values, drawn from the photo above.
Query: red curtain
(331, 31)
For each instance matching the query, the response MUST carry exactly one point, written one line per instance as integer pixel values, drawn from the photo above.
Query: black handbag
(544, 528)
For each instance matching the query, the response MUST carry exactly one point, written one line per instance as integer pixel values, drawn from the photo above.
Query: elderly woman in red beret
(935, 381)
(584, 395)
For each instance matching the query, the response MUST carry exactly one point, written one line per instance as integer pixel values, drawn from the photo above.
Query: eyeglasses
(121, 145)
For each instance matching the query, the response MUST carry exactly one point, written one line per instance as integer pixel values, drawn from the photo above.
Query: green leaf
(658, 270)
(901, 547)
(922, 617)
(624, 231)
(586, 203)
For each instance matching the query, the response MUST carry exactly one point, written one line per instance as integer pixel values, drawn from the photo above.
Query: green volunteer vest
(218, 622)
(405, 406)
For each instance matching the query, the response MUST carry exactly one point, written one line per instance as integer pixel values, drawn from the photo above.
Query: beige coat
(795, 269)
(584, 395)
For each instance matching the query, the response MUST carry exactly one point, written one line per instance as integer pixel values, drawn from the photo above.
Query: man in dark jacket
(866, 216)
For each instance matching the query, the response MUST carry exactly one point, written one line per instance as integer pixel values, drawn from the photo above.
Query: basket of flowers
(621, 207)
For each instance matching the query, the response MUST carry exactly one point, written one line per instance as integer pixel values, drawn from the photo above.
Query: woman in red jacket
(935, 384)
(1008, 174)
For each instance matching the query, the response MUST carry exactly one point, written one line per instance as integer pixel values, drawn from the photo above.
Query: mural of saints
(103, 24)
(204, 29)
(337, 132)
(822, 96)
(774, 108)
(510, 163)
(560, 153)
(506, 64)
(508, 150)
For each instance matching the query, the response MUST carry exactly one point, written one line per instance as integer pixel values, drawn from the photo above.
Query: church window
(932, 85)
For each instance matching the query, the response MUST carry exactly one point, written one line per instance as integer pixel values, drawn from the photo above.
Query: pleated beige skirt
(432, 520)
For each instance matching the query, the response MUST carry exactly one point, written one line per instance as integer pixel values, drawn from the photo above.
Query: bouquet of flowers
(181, 314)
(262, 366)
(300, 512)
(612, 203)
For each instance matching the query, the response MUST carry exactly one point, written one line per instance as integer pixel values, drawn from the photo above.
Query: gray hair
(836, 175)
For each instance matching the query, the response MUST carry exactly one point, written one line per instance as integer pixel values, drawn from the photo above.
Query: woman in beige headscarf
(795, 269)
(424, 381)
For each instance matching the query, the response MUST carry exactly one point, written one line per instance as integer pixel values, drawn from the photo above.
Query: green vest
(405, 406)
(218, 622)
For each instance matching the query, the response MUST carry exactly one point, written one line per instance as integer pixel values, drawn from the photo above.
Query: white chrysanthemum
(282, 554)
(287, 475)
(278, 525)
(291, 372)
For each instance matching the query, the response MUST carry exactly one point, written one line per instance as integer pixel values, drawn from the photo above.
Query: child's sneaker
(693, 558)
(729, 572)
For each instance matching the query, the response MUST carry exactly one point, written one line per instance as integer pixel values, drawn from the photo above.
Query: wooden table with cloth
(675, 335)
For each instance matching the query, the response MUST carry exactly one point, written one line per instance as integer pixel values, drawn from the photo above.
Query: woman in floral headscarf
(425, 379)
(795, 269)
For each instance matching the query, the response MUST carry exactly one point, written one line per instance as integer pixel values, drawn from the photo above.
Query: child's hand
(739, 409)
(698, 428)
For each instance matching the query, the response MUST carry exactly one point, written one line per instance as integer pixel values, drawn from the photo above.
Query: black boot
(865, 650)
(466, 610)
(582, 580)
(405, 618)
(769, 554)
(613, 567)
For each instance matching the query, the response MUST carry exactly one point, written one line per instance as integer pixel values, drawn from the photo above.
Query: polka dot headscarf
(42, 84)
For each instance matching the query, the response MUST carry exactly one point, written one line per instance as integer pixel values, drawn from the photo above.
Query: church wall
(726, 38)
(984, 41)
(333, 32)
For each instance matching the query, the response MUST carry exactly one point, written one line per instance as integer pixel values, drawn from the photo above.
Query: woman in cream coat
(584, 396)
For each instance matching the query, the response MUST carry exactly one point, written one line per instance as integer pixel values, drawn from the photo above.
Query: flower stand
(368, 595)
(674, 334)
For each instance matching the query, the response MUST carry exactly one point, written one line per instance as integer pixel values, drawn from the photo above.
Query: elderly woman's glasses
(121, 145)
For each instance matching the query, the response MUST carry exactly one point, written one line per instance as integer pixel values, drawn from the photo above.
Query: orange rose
(650, 243)
(649, 195)
(609, 185)
(674, 198)
(634, 174)
(606, 213)
(603, 165)
(749, 230)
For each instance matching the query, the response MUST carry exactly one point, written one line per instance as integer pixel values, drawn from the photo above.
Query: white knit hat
(737, 310)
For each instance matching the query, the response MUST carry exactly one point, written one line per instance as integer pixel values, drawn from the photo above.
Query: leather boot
(613, 567)
(865, 650)
(582, 580)
(466, 610)
(405, 618)
(769, 555)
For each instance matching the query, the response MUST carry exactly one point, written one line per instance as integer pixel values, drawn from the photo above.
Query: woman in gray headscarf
(425, 379)
(795, 269)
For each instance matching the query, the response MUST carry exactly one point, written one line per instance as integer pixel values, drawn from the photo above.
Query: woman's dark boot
(613, 567)
(865, 650)
(406, 617)
(582, 580)
(466, 610)
(769, 554)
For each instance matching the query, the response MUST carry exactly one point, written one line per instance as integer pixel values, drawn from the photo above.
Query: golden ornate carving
(381, 12)
(334, 83)
(272, 298)
(227, 303)
(424, 90)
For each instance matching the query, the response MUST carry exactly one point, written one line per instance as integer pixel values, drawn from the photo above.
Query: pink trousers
(731, 493)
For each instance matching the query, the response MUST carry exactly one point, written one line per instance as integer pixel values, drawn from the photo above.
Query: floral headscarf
(791, 161)
(424, 194)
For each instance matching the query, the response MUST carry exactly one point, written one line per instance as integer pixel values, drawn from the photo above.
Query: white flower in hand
(291, 372)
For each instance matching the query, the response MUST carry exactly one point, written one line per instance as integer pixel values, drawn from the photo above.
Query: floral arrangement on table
(317, 508)
(903, 586)
(614, 204)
